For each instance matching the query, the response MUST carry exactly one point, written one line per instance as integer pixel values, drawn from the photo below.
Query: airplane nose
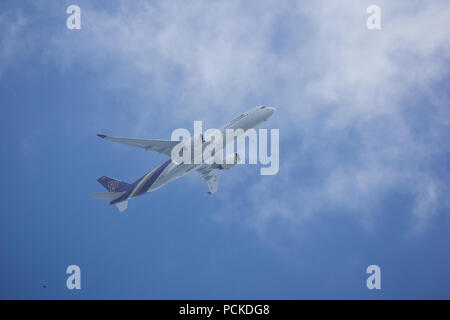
(266, 112)
(269, 112)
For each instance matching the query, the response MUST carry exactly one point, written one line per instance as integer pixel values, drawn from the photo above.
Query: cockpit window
(263, 107)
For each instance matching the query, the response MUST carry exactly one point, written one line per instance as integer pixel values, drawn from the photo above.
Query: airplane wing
(211, 176)
(160, 146)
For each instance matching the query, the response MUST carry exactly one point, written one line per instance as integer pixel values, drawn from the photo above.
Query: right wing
(160, 146)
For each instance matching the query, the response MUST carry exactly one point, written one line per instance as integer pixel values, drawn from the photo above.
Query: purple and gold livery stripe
(148, 180)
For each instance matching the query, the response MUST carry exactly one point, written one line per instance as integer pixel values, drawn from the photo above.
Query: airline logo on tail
(112, 185)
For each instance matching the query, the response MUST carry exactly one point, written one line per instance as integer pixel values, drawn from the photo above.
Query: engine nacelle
(231, 161)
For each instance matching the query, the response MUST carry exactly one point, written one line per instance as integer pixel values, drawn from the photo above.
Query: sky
(364, 174)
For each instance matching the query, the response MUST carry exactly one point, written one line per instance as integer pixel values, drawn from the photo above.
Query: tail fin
(117, 192)
(113, 185)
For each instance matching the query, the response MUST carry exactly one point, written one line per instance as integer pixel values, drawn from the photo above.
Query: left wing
(211, 176)
(161, 146)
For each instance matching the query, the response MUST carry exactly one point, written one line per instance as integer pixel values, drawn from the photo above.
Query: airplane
(120, 192)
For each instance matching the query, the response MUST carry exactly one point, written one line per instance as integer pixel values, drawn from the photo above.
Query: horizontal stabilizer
(122, 206)
(108, 196)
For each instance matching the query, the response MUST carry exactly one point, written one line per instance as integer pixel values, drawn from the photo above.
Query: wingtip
(101, 136)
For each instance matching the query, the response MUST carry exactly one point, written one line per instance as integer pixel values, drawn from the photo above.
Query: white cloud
(346, 96)
(12, 27)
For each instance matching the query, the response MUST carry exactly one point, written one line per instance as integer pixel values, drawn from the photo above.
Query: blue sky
(364, 130)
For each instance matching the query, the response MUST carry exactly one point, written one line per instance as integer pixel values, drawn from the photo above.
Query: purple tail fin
(113, 185)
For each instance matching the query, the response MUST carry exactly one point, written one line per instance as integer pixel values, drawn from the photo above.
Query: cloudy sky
(364, 122)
